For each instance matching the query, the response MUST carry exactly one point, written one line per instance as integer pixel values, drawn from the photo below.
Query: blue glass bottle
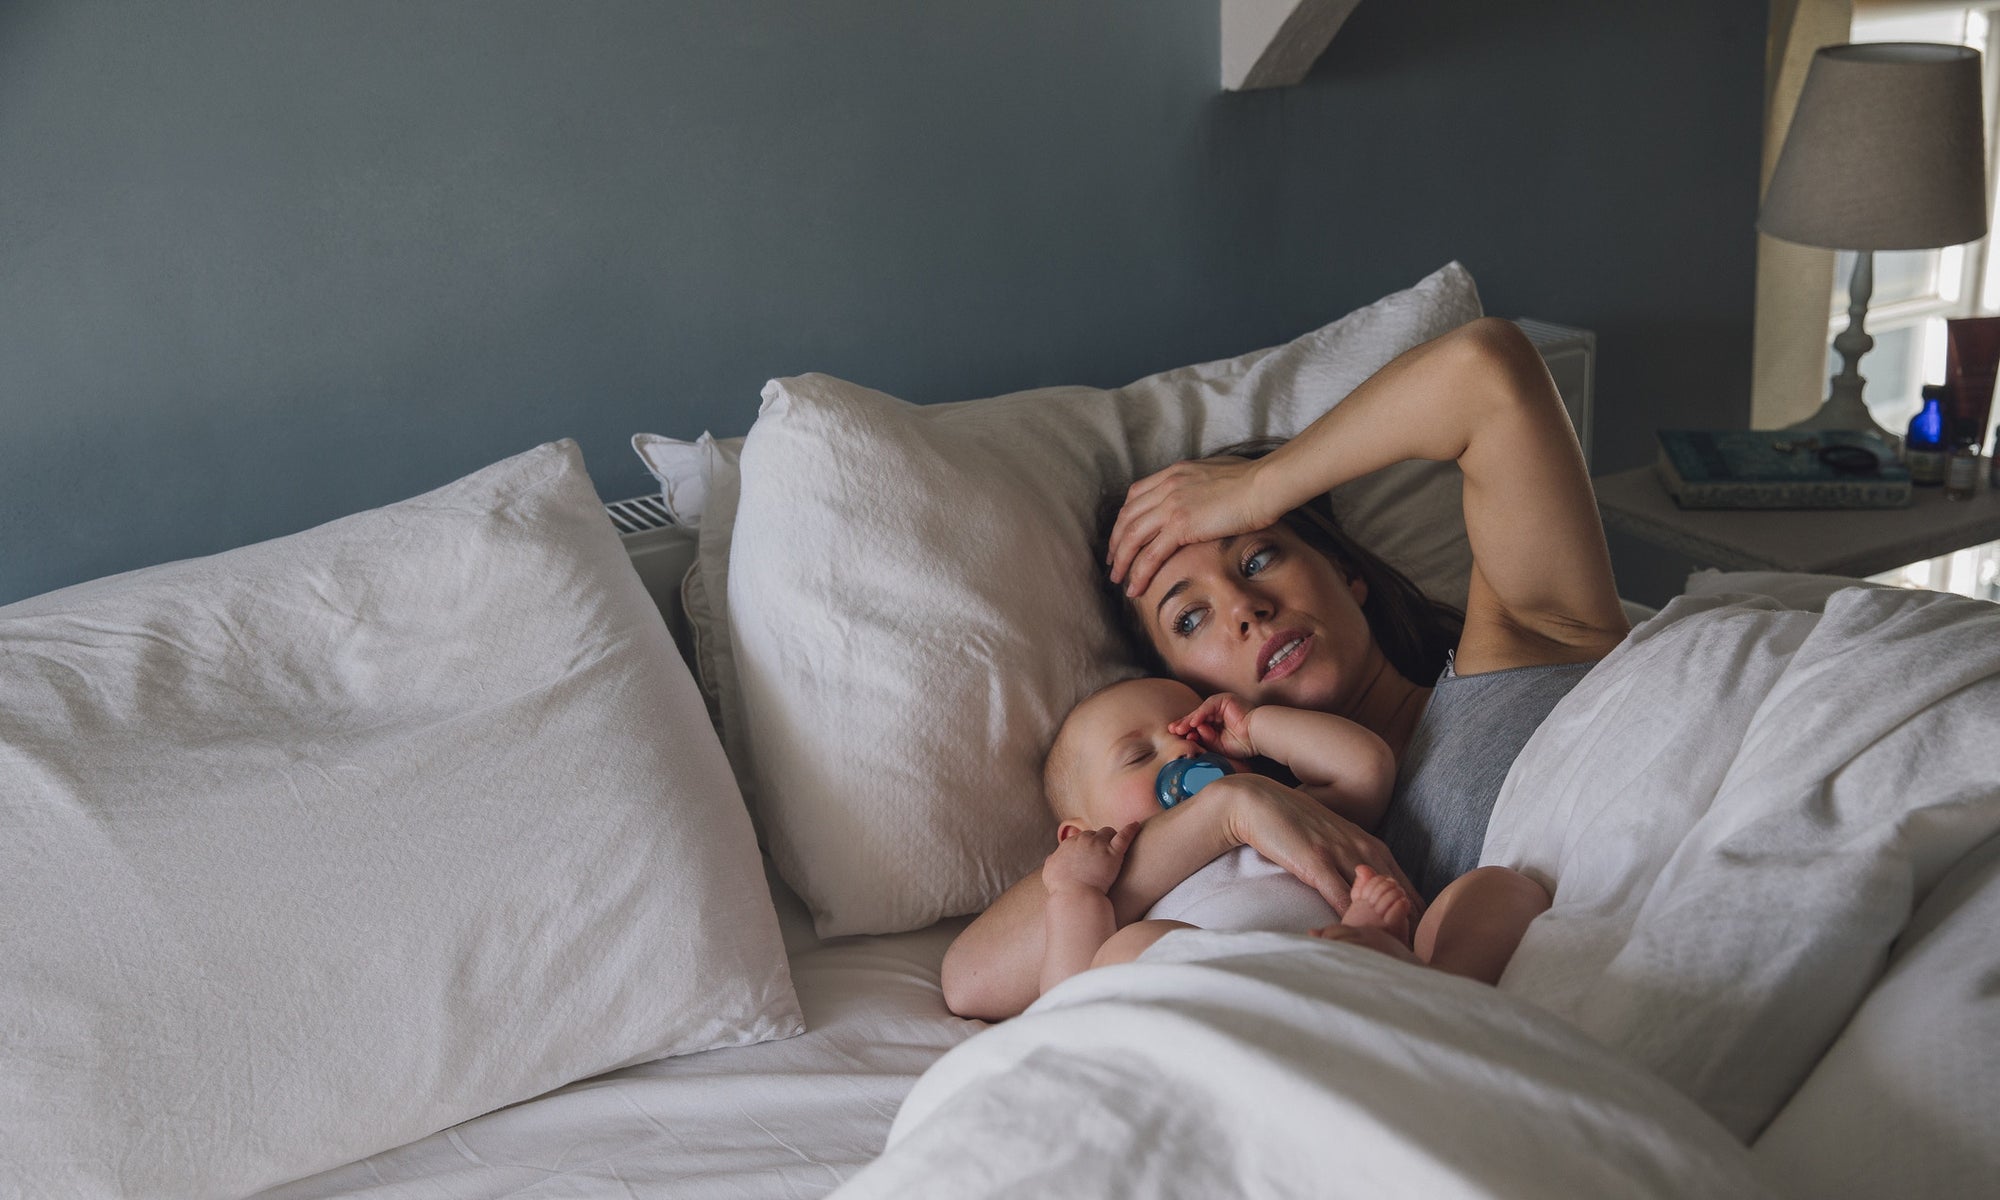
(1924, 448)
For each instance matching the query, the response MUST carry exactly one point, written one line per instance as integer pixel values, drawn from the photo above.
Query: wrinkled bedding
(790, 1118)
(1739, 811)
(1744, 805)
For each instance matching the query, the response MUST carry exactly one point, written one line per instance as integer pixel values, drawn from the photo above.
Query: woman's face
(1263, 615)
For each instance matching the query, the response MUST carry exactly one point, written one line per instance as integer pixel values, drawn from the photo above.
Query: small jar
(1961, 469)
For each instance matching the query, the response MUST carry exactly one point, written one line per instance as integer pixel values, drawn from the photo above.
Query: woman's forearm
(1480, 395)
(1172, 846)
(1427, 403)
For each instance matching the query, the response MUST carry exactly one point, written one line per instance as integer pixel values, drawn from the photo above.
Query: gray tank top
(1458, 756)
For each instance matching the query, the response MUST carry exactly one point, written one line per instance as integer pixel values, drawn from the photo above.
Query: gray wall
(267, 262)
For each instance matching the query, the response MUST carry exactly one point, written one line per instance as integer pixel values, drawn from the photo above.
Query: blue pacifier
(1183, 777)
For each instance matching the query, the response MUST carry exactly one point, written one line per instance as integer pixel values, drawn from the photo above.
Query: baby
(1101, 781)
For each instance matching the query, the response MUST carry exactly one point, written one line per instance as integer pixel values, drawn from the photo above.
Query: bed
(414, 856)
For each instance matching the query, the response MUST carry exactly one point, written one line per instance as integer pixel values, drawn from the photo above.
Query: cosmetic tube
(1972, 352)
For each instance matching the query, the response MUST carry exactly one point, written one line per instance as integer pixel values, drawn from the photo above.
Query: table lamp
(1887, 151)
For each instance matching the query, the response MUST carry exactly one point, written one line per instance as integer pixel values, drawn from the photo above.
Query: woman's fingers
(1320, 848)
(1149, 560)
(1137, 528)
(1188, 502)
(1376, 857)
(1385, 864)
(1326, 877)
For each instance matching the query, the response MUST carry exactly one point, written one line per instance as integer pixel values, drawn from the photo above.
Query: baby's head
(1107, 756)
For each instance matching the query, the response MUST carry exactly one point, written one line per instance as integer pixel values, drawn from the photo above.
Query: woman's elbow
(1502, 366)
(1496, 342)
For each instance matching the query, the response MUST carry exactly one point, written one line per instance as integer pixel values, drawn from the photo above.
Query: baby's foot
(1378, 902)
(1370, 936)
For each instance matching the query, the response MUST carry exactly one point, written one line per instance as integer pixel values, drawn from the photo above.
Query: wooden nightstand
(1821, 541)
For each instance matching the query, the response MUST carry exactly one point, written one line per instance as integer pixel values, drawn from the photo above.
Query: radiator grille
(638, 514)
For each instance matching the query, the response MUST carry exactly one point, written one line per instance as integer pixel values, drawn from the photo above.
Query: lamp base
(1844, 410)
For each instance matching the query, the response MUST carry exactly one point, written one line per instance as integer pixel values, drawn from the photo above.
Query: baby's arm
(1342, 765)
(1078, 919)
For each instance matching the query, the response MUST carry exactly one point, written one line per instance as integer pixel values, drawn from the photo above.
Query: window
(1915, 290)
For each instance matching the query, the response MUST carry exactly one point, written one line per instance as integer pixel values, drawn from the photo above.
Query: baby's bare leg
(1474, 925)
(1131, 941)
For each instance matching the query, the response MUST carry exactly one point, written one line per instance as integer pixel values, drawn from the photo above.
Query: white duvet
(1739, 810)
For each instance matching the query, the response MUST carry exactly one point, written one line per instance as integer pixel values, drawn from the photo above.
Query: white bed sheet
(792, 1118)
(1277, 1065)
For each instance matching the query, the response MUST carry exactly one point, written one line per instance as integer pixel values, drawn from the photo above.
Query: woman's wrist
(1267, 501)
(1240, 803)
(1275, 488)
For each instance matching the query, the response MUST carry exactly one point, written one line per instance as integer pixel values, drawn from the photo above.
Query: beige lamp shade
(1887, 151)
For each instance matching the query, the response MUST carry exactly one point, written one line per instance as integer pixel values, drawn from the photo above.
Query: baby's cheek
(1138, 805)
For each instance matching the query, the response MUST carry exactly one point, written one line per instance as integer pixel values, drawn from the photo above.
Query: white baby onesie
(1240, 890)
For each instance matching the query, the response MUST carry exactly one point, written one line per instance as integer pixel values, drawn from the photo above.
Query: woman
(1238, 589)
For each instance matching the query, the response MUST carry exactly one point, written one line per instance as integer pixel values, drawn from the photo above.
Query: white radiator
(1572, 357)
(661, 553)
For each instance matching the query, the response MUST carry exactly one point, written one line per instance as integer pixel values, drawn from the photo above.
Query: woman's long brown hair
(1414, 631)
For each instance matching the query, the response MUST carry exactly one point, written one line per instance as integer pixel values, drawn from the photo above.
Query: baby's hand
(1088, 858)
(1221, 725)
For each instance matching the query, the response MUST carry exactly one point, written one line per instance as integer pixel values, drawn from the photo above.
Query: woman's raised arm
(1541, 583)
(993, 968)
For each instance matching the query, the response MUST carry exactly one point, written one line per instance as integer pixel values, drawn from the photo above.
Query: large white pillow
(914, 601)
(319, 846)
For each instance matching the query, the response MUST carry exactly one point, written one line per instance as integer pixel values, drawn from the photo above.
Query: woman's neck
(1389, 706)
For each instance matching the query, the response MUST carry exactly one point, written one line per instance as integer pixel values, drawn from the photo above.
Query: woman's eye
(1258, 561)
(1189, 621)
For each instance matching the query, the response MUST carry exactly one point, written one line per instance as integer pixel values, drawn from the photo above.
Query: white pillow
(914, 602)
(321, 845)
(685, 469)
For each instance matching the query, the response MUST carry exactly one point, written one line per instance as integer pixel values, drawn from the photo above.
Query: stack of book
(1780, 468)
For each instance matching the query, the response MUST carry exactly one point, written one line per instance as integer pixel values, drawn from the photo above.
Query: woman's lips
(1290, 647)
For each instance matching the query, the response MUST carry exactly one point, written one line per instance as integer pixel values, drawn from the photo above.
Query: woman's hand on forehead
(1198, 500)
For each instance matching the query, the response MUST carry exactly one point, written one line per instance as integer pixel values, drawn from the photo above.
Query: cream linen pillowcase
(319, 846)
(913, 601)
